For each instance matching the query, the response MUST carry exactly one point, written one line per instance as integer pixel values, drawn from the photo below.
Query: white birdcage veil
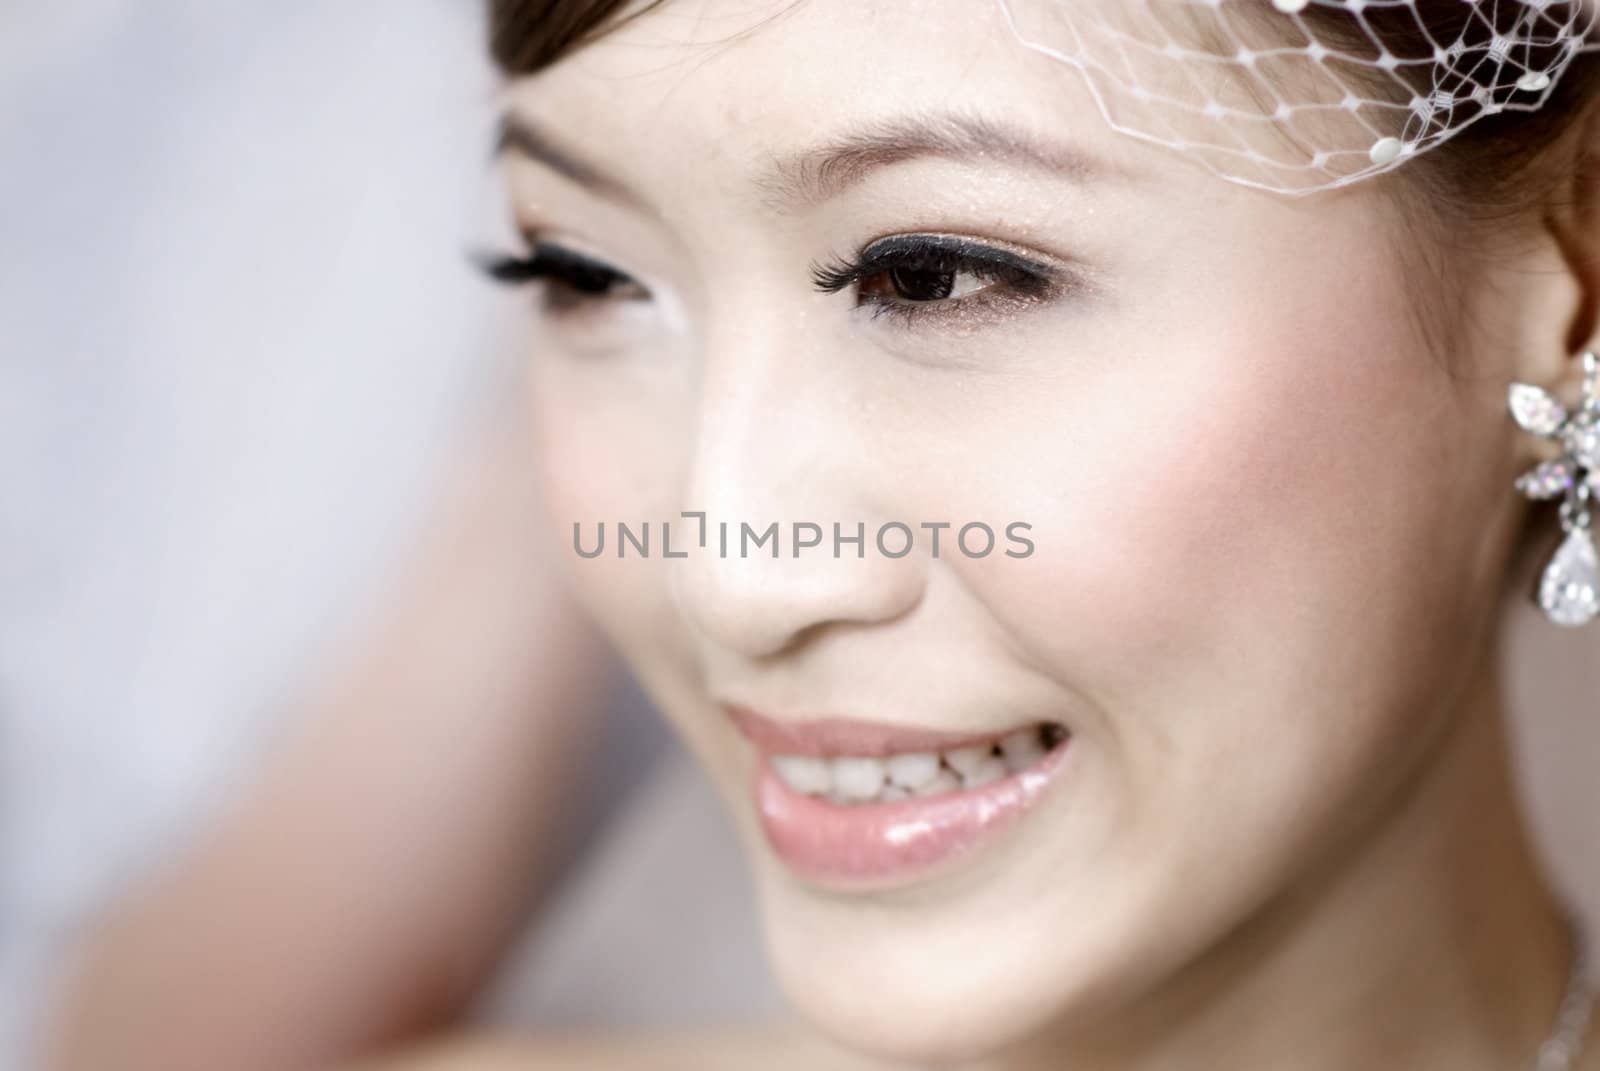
(1297, 96)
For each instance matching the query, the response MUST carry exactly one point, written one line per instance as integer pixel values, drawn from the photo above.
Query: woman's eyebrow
(520, 136)
(828, 168)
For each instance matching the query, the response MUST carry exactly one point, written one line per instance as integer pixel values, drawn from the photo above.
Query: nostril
(763, 605)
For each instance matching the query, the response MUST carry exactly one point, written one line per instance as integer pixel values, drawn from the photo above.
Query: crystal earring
(1570, 590)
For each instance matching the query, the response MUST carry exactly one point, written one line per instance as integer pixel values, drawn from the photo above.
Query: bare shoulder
(778, 1048)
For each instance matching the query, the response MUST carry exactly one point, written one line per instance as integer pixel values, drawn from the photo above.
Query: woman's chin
(926, 993)
(920, 1018)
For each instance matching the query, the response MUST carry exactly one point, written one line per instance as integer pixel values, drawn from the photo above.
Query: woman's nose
(800, 531)
(758, 590)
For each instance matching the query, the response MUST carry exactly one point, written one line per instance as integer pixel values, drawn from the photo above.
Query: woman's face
(1264, 520)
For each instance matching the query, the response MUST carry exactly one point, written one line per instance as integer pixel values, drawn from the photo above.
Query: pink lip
(877, 844)
(837, 736)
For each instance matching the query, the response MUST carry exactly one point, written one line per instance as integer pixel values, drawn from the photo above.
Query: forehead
(737, 82)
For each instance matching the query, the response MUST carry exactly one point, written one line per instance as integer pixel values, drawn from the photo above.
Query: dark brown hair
(526, 36)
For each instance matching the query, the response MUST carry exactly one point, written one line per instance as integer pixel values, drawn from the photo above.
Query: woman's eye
(925, 284)
(920, 274)
(572, 280)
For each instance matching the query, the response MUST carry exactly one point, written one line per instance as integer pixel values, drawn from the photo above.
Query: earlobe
(1573, 219)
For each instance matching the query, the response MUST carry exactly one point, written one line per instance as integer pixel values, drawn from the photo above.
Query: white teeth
(946, 781)
(804, 774)
(852, 779)
(963, 760)
(858, 778)
(990, 769)
(913, 770)
(1022, 749)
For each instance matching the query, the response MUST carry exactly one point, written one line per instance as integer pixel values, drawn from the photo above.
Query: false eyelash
(933, 253)
(508, 268)
(551, 262)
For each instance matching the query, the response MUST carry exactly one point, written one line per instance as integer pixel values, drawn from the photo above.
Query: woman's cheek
(605, 460)
(1197, 521)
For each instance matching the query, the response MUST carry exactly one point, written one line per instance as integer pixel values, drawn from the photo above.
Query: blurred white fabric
(238, 330)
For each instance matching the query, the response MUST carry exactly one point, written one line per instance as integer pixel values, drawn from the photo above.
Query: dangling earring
(1570, 590)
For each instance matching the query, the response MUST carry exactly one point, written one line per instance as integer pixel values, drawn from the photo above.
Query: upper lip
(825, 737)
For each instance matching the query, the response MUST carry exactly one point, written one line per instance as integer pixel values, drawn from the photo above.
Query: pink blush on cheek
(1263, 479)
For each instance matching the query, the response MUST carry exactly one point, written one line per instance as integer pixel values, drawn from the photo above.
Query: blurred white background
(239, 331)
(237, 335)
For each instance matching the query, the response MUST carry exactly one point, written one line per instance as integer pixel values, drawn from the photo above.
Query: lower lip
(873, 844)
